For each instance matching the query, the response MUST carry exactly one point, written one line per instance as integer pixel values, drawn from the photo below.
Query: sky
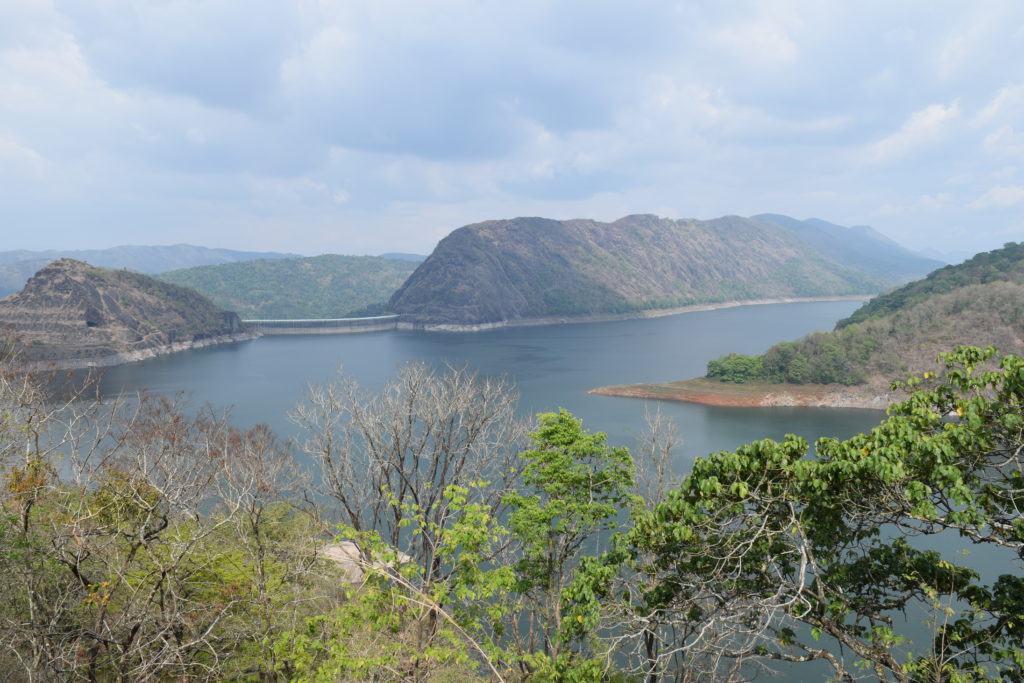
(369, 126)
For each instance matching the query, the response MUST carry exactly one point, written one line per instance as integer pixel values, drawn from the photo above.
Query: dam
(378, 323)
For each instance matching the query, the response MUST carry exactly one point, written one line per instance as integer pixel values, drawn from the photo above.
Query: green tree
(735, 367)
(574, 487)
(769, 555)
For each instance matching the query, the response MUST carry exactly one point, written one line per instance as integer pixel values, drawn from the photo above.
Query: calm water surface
(553, 366)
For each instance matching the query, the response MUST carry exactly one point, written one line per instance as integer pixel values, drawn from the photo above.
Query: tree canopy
(139, 541)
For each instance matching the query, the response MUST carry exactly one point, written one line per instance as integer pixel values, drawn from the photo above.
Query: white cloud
(1006, 105)
(761, 44)
(923, 203)
(17, 159)
(1001, 196)
(412, 118)
(923, 127)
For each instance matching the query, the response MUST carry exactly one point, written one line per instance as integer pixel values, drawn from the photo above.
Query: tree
(115, 543)
(406, 465)
(574, 487)
(765, 555)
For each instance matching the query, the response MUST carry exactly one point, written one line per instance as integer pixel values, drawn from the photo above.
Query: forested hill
(327, 286)
(979, 302)
(79, 314)
(535, 268)
(1006, 264)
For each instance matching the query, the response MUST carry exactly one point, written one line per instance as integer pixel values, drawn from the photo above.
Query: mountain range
(16, 267)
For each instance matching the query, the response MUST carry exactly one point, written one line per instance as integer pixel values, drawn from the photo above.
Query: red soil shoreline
(714, 393)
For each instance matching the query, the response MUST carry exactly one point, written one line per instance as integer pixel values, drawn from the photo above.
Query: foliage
(889, 345)
(735, 367)
(395, 626)
(138, 541)
(765, 554)
(327, 286)
(998, 265)
(573, 488)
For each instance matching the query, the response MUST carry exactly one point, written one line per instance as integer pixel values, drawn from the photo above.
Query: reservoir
(552, 366)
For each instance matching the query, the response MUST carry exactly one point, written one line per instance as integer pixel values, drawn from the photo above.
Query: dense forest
(424, 532)
(327, 286)
(980, 301)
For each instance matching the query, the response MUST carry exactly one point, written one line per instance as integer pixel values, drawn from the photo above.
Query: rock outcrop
(529, 268)
(72, 314)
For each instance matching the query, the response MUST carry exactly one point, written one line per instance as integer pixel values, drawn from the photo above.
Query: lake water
(553, 366)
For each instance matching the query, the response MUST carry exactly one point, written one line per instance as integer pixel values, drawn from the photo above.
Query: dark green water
(553, 366)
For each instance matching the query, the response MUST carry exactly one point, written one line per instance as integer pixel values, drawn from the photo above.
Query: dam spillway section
(378, 323)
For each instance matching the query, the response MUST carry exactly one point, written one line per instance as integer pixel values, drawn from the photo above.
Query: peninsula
(979, 302)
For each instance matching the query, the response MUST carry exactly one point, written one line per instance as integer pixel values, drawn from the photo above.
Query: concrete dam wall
(377, 323)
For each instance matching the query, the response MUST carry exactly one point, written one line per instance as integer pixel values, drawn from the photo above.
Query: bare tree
(140, 541)
(653, 456)
(396, 452)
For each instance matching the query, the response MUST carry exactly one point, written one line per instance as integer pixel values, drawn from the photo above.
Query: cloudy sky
(364, 126)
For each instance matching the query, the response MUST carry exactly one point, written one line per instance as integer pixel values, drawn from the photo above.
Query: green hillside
(327, 286)
(1006, 264)
(979, 302)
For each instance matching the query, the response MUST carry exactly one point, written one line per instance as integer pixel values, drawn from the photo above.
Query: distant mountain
(76, 314)
(947, 256)
(536, 268)
(860, 247)
(326, 286)
(16, 267)
(400, 256)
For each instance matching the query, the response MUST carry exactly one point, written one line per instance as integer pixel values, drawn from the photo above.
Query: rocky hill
(77, 315)
(326, 286)
(537, 268)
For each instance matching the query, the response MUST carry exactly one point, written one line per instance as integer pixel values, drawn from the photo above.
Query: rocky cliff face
(534, 268)
(77, 315)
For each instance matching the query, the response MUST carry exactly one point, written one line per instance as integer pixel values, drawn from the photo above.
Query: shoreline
(145, 354)
(711, 392)
(125, 357)
(614, 317)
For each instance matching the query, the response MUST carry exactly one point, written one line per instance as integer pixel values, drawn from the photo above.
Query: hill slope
(979, 302)
(327, 286)
(535, 267)
(80, 314)
(16, 267)
(999, 265)
(859, 247)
